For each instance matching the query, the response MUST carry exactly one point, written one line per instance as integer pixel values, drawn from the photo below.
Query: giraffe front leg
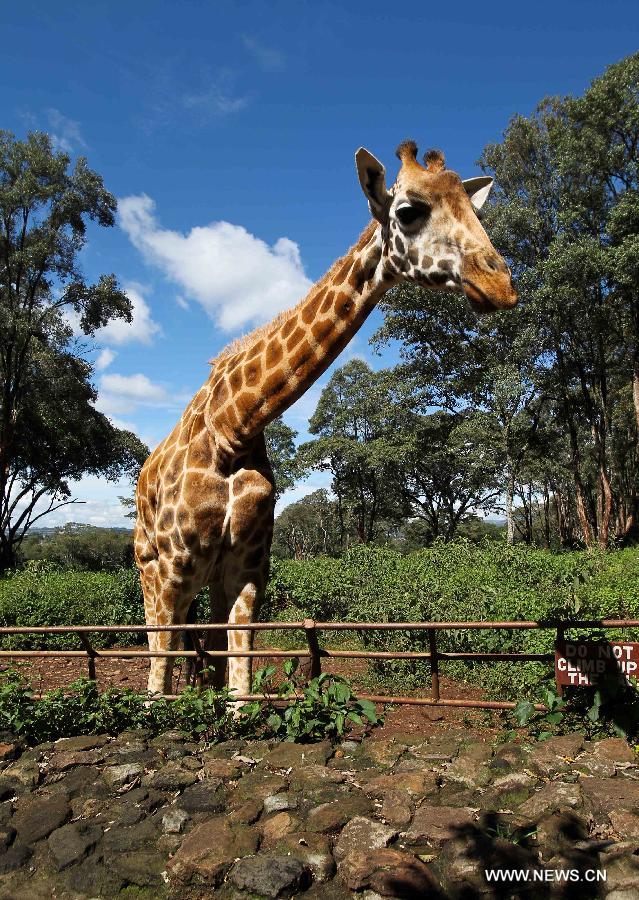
(169, 610)
(242, 612)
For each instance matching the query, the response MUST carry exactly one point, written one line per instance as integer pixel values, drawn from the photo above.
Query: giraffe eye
(409, 213)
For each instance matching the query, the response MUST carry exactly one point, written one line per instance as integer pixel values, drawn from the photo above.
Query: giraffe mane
(247, 340)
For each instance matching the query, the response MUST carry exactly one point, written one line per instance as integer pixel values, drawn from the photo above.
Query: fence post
(91, 654)
(434, 665)
(199, 663)
(314, 647)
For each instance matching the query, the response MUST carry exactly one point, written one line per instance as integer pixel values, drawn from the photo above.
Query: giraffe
(205, 495)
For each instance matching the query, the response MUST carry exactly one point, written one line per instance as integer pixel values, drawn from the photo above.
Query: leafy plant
(325, 708)
(322, 708)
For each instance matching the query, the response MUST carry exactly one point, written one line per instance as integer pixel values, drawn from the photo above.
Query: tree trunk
(510, 496)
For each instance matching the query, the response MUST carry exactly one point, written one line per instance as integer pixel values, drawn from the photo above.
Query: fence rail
(313, 650)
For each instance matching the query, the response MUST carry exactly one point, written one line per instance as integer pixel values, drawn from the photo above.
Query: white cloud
(217, 98)
(141, 328)
(268, 58)
(122, 394)
(99, 504)
(181, 302)
(65, 133)
(104, 360)
(238, 278)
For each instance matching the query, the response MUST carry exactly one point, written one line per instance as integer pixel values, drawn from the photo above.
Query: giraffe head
(431, 231)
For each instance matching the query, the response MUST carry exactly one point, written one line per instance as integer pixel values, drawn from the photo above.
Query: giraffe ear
(372, 179)
(478, 190)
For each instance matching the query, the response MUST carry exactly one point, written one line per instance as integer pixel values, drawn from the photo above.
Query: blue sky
(227, 131)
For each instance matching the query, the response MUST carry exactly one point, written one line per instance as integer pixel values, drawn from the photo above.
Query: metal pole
(313, 647)
(434, 666)
(91, 654)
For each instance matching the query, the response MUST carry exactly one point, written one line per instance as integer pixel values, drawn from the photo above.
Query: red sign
(583, 663)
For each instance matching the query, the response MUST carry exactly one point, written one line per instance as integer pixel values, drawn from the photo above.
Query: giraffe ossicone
(205, 496)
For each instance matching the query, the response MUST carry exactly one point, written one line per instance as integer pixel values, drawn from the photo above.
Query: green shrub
(41, 594)
(326, 708)
(460, 581)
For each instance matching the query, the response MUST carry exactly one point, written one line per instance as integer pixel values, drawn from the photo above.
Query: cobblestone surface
(137, 817)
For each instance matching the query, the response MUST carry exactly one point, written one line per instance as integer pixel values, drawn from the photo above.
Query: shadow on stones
(491, 846)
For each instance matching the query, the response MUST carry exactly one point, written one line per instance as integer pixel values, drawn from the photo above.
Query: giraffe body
(205, 496)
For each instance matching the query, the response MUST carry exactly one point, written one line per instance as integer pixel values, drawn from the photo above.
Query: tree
(307, 528)
(50, 431)
(280, 446)
(353, 421)
(566, 217)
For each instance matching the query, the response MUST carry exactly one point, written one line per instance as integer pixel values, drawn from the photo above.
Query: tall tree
(50, 431)
(353, 421)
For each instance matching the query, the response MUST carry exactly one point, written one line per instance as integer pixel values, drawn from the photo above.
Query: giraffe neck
(259, 378)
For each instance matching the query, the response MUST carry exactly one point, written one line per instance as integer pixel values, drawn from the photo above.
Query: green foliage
(612, 708)
(41, 594)
(280, 446)
(51, 432)
(326, 709)
(459, 581)
(81, 547)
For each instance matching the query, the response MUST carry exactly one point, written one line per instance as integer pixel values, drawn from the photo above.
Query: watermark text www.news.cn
(545, 875)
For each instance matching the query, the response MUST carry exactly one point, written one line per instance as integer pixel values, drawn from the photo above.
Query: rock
(170, 777)
(82, 780)
(551, 797)
(205, 796)
(397, 808)
(560, 830)
(314, 850)
(391, 873)
(361, 835)
(605, 794)
(471, 767)
(93, 879)
(142, 868)
(279, 803)
(384, 752)
(605, 757)
(208, 851)
(245, 814)
(36, 818)
(7, 834)
(71, 843)
(117, 776)
(25, 772)
(258, 786)
(14, 857)
(508, 757)
(84, 742)
(227, 769)
(625, 823)
(312, 775)
(271, 875)
(554, 755)
(60, 762)
(275, 828)
(293, 756)
(508, 791)
(435, 825)
(9, 751)
(464, 860)
(416, 784)
(119, 840)
(330, 817)
(174, 821)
